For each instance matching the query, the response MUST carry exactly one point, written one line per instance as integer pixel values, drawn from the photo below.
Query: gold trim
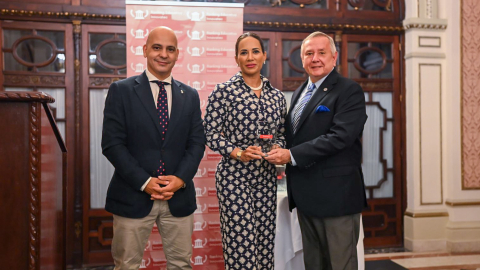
(30, 13)
(421, 215)
(431, 46)
(326, 26)
(462, 203)
(420, 131)
(425, 26)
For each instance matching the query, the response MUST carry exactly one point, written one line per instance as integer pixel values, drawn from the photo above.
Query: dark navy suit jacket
(132, 142)
(327, 149)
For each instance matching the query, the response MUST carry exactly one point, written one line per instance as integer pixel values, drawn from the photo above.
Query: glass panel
(101, 170)
(386, 189)
(379, 5)
(56, 66)
(122, 71)
(95, 39)
(10, 64)
(294, 57)
(370, 60)
(34, 50)
(373, 163)
(113, 53)
(59, 95)
(18, 89)
(57, 38)
(96, 67)
(10, 36)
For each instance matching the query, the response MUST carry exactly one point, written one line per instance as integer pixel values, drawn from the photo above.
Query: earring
(264, 62)
(237, 64)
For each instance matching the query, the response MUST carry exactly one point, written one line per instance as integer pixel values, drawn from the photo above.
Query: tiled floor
(422, 261)
(406, 260)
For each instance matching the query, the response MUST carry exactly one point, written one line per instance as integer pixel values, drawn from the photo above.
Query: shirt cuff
(145, 185)
(292, 159)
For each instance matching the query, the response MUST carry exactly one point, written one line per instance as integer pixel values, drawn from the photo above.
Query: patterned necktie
(301, 105)
(162, 111)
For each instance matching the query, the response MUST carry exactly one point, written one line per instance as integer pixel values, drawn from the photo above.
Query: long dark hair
(245, 35)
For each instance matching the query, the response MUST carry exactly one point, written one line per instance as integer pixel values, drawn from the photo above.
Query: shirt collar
(152, 78)
(238, 77)
(319, 82)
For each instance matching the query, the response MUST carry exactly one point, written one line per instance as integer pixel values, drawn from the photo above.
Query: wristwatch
(239, 154)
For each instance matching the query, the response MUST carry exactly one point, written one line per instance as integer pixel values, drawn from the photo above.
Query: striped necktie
(298, 111)
(162, 111)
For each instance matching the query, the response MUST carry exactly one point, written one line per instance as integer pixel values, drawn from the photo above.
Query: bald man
(153, 136)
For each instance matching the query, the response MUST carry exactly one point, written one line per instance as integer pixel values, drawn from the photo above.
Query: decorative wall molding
(425, 55)
(425, 214)
(432, 42)
(422, 23)
(102, 81)
(470, 72)
(35, 13)
(42, 80)
(430, 141)
(326, 26)
(455, 203)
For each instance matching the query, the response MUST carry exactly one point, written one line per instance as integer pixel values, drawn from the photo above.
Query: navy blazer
(132, 142)
(328, 178)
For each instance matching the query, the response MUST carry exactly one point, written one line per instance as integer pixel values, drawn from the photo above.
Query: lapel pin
(181, 90)
(325, 89)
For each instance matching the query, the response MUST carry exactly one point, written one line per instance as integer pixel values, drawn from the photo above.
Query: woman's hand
(252, 152)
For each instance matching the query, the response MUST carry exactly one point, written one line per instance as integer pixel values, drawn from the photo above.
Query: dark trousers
(330, 243)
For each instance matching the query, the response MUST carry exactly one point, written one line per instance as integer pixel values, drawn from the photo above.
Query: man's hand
(278, 156)
(170, 184)
(153, 188)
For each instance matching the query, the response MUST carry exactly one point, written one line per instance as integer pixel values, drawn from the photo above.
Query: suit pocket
(338, 171)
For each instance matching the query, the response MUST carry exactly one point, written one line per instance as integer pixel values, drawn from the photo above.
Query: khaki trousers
(130, 235)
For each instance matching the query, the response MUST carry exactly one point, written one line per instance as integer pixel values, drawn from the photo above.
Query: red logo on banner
(212, 192)
(157, 245)
(214, 225)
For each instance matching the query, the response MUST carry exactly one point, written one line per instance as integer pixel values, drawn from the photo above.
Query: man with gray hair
(324, 175)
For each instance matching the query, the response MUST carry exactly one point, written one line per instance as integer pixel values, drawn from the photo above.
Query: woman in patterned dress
(236, 113)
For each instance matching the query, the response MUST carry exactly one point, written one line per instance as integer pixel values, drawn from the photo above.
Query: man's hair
(316, 34)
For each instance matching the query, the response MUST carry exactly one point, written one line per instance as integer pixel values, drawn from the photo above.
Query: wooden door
(374, 62)
(104, 61)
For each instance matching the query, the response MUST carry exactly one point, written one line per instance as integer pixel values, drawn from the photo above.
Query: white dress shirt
(155, 89)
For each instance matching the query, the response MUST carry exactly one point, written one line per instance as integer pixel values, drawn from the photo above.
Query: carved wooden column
(77, 258)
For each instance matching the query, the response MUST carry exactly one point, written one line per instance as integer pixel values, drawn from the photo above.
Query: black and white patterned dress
(246, 191)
